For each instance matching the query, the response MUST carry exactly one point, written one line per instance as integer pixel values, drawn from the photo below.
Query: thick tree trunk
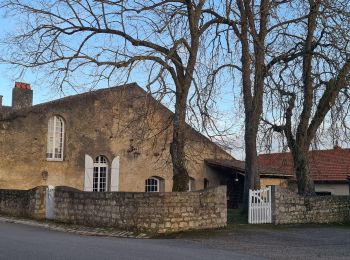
(177, 147)
(252, 177)
(252, 93)
(306, 185)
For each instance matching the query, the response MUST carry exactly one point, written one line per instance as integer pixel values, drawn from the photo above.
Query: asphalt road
(19, 241)
(283, 242)
(27, 242)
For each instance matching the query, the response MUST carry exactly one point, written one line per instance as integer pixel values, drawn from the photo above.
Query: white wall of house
(335, 189)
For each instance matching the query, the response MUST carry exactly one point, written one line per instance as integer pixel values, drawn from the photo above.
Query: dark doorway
(234, 181)
(235, 191)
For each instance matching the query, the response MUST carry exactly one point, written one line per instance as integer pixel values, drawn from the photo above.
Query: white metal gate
(50, 202)
(260, 206)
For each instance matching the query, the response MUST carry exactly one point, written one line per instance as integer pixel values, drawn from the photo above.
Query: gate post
(250, 207)
(270, 206)
(50, 203)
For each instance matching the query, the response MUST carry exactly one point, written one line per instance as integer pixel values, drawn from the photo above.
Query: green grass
(235, 216)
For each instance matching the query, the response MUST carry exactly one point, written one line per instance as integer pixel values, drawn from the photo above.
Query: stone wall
(291, 208)
(23, 203)
(152, 212)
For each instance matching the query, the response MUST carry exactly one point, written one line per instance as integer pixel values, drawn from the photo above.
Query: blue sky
(8, 75)
(44, 92)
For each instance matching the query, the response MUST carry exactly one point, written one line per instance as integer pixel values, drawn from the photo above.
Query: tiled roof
(325, 165)
(240, 166)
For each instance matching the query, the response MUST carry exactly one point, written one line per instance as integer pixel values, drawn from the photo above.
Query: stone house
(114, 139)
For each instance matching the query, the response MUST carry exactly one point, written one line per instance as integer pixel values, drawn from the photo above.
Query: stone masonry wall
(291, 208)
(23, 203)
(152, 212)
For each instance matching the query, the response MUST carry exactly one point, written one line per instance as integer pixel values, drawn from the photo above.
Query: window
(99, 181)
(55, 139)
(154, 184)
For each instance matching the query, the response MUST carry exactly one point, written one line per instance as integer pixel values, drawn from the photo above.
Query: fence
(260, 206)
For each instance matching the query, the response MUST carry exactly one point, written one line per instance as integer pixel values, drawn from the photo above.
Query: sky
(43, 92)
(8, 75)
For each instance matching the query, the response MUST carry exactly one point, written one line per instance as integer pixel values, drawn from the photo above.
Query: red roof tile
(325, 165)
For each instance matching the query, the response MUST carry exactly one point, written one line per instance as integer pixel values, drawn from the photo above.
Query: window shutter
(89, 169)
(115, 174)
(161, 186)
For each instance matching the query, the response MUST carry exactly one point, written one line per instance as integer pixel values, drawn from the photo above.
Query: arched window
(55, 139)
(154, 184)
(100, 174)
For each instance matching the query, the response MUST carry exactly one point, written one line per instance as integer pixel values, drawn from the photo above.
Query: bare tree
(254, 26)
(306, 88)
(108, 40)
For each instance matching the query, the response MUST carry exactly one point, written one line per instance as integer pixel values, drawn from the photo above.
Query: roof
(238, 165)
(325, 165)
(72, 98)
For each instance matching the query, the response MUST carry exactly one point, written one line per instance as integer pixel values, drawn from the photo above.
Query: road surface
(19, 241)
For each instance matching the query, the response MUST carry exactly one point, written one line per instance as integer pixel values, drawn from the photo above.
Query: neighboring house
(114, 139)
(330, 169)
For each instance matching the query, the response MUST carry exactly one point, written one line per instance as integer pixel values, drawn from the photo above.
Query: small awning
(239, 166)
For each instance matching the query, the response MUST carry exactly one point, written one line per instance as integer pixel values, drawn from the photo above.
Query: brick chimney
(22, 95)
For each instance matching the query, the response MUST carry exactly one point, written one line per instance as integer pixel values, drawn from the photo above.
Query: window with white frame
(100, 174)
(55, 139)
(154, 184)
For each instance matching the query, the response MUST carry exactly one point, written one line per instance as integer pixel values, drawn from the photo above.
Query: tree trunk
(306, 185)
(252, 93)
(177, 147)
(251, 178)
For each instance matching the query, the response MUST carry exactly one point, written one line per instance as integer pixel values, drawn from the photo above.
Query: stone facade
(152, 212)
(123, 122)
(291, 208)
(23, 203)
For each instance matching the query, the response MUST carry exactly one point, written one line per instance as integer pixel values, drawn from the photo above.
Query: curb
(81, 230)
